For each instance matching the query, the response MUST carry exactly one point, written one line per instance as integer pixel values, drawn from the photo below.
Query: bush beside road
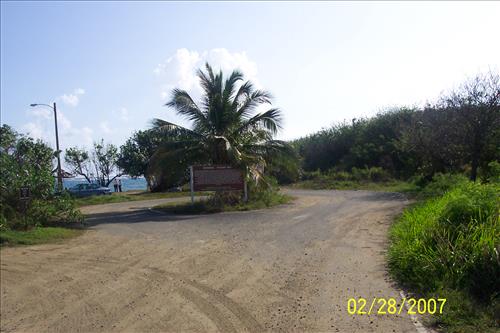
(448, 246)
(213, 205)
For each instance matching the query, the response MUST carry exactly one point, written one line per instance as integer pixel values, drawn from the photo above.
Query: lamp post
(58, 152)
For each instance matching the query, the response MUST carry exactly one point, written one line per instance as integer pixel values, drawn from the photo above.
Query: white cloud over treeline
(179, 70)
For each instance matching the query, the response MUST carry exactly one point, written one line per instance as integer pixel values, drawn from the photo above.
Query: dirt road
(291, 268)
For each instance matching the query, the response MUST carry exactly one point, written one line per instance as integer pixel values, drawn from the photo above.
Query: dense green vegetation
(37, 235)
(363, 143)
(458, 133)
(28, 162)
(374, 179)
(135, 155)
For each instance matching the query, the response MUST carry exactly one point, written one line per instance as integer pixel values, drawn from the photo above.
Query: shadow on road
(136, 216)
(379, 196)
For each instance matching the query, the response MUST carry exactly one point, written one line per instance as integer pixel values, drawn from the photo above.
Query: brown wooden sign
(217, 178)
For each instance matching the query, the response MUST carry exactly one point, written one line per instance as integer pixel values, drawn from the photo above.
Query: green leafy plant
(28, 162)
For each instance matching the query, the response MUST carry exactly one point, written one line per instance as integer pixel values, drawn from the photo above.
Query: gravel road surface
(290, 268)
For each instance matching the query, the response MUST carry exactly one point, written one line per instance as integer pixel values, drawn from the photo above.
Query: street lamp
(59, 172)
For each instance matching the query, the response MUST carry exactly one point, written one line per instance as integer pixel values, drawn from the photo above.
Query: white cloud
(86, 134)
(73, 98)
(180, 69)
(122, 114)
(35, 130)
(42, 113)
(64, 122)
(42, 127)
(105, 127)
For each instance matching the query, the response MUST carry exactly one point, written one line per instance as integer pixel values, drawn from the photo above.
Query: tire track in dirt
(212, 312)
(42, 288)
(217, 297)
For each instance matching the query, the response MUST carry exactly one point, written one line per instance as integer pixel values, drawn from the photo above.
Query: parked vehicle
(175, 189)
(86, 190)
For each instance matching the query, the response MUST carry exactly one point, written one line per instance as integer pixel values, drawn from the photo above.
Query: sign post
(24, 197)
(245, 191)
(191, 184)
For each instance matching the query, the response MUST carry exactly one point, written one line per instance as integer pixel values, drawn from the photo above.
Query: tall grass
(451, 242)
(373, 179)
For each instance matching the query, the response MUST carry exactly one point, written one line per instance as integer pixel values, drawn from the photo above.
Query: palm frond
(207, 82)
(243, 92)
(184, 105)
(176, 155)
(230, 85)
(172, 130)
(253, 99)
(210, 71)
(270, 120)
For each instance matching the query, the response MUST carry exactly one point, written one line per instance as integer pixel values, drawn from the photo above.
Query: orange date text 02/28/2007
(390, 306)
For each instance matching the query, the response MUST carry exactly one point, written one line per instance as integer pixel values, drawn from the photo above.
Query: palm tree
(226, 128)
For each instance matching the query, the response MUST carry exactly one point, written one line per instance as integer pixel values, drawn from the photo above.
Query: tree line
(459, 132)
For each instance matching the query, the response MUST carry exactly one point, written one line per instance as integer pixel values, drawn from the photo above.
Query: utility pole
(58, 153)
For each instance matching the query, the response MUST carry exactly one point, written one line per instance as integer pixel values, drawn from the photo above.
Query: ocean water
(128, 184)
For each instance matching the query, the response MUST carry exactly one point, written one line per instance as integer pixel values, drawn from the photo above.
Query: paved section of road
(290, 268)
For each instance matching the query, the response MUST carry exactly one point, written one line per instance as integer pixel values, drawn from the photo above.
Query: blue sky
(109, 65)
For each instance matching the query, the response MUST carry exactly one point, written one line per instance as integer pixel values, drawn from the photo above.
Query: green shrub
(311, 175)
(338, 175)
(377, 174)
(491, 173)
(373, 174)
(229, 201)
(28, 162)
(450, 242)
(462, 314)
(470, 203)
(359, 174)
(261, 195)
(58, 210)
(54, 211)
(442, 183)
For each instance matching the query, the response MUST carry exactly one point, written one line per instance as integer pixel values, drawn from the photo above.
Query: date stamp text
(390, 306)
